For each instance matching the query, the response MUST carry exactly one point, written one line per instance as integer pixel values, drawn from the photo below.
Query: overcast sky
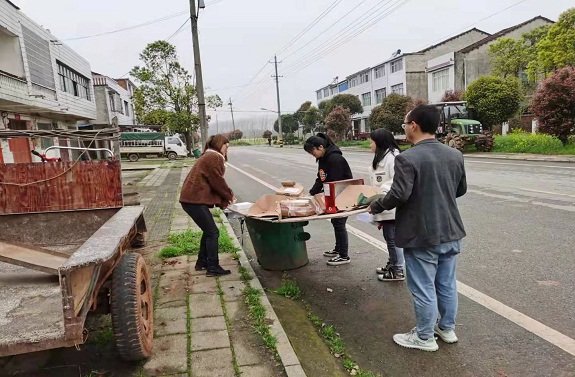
(238, 38)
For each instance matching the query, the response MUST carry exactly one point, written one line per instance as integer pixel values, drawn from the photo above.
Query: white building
(113, 101)
(44, 84)
(403, 73)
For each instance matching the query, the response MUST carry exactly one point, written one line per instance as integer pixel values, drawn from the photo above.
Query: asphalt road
(515, 274)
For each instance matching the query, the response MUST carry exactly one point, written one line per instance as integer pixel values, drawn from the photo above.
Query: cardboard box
(332, 190)
(289, 188)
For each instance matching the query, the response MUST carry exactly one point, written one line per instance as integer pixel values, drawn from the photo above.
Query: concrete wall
(10, 54)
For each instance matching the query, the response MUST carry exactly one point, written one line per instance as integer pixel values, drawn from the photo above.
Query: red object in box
(333, 189)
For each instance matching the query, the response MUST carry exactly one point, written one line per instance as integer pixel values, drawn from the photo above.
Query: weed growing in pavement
(188, 335)
(188, 243)
(244, 274)
(335, 343)
(228, 327)
(288, 288)
(257, 314)
(104, 334)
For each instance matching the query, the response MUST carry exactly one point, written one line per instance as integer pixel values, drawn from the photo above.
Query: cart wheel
(132, 308)
(133, 157)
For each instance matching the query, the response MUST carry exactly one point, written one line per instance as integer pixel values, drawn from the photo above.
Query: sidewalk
(201, 323)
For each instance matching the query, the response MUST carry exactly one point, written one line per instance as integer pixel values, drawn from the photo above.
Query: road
(515, 274)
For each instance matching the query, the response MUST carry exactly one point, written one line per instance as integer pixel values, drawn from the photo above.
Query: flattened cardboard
(348, 198)
(266, 206)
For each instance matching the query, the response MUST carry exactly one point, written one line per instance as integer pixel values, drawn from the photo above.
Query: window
(126, 109)
(397, 89)
(366, 99)
(353, 82)
(112, 102)
(45, 142)
(319, 94)
(396, 65)
(363, 78)
(380, 95)
(72, 82)
(440, 80)
(326, 92)
(333, 90)
(380, 72)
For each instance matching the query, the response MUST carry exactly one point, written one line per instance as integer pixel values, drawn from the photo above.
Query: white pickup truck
(134, 145)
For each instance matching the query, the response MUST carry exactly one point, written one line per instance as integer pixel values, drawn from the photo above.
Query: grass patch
(288, 288)
(520, 141)
(228, 327)
(257, 315)
(104, 334)
(188, 243)
(188, 335)
(244, 274)
(354, 143)
(336, 345)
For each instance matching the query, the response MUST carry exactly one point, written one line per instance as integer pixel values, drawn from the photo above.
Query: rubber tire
(132, 308)
(172, 156)
(133, 157)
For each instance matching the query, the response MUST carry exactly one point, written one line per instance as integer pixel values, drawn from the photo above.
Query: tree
(289, 124)
(235, 135)
(556, 49)
(339, 121)
(391, 112)
(452, 96)
(494, 99)
(347, 101)
(554, 104)
(267, 134)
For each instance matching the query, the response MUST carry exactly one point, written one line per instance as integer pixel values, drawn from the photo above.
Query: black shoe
(393, 274)
(217, 270)
(201, 265)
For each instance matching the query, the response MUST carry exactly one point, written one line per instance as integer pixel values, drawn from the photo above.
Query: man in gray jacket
(428, 178)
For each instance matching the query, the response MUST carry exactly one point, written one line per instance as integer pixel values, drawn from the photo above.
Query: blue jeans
(432, 282)
(396, 258)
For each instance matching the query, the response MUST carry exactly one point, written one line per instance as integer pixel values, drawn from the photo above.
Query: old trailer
(66, 251)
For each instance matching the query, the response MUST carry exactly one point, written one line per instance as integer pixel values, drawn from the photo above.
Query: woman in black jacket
(332, 166)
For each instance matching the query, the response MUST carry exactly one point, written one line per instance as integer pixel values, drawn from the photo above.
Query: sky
(239, 38)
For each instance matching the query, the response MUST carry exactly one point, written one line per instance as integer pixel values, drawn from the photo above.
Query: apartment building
(402, 73)
(44, 84)
(113, 101)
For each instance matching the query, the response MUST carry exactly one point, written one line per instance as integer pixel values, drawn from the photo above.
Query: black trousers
(202, 216)
(341, 241)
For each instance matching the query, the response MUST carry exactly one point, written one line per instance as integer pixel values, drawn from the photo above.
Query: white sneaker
(412, 340)
(447, 335)
(331, 253)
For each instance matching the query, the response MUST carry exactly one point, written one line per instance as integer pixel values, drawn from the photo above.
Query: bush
(290, 139)
(495, 100)
(520, 141)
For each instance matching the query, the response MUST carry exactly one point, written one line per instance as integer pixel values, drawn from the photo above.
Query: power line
(129, 27)
(179, 29)
(306, 61)
(310, 26)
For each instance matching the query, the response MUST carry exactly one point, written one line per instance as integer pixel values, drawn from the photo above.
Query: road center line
(535, 327)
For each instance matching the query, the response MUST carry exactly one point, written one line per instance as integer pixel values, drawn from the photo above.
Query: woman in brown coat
(204, 188)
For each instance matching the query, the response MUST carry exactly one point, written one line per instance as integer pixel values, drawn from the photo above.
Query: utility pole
(232, 110)
(281, 140)
(198, 70)
(217, 124)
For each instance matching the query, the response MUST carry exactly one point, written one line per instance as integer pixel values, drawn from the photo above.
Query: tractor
(458, 129)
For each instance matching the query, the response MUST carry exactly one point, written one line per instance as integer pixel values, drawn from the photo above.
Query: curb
(287, 354)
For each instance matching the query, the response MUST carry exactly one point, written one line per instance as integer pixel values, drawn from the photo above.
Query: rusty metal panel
(59, 186)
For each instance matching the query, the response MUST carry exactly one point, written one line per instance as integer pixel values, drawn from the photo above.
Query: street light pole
(278, 95)
(198, 70)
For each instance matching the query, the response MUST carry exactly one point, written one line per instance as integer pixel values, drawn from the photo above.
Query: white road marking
(544, 332)
(546, 192)
(515, 164)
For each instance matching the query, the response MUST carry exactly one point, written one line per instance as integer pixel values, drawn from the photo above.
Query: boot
(201, 264)
(214, 269)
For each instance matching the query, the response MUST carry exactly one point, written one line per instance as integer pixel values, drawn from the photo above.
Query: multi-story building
(113, 101)
(403, 73)
(44, 85)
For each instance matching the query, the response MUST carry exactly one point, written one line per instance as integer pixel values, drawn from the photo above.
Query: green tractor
(458, 129)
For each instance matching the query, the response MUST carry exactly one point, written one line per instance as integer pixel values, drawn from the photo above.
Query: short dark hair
(426, 116)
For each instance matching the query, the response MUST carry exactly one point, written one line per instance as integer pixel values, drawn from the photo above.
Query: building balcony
(12, 84)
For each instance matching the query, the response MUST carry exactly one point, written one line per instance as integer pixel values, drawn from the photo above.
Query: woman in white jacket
(381, 172)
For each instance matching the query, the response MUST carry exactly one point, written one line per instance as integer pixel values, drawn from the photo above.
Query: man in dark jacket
(428, 178)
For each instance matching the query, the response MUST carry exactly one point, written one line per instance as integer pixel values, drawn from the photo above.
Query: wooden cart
(65, 242)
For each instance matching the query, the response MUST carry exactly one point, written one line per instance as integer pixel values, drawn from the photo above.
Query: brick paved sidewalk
(201, 323)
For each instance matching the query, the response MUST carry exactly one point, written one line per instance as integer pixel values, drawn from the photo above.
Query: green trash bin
(279, 246)
(196, 153)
